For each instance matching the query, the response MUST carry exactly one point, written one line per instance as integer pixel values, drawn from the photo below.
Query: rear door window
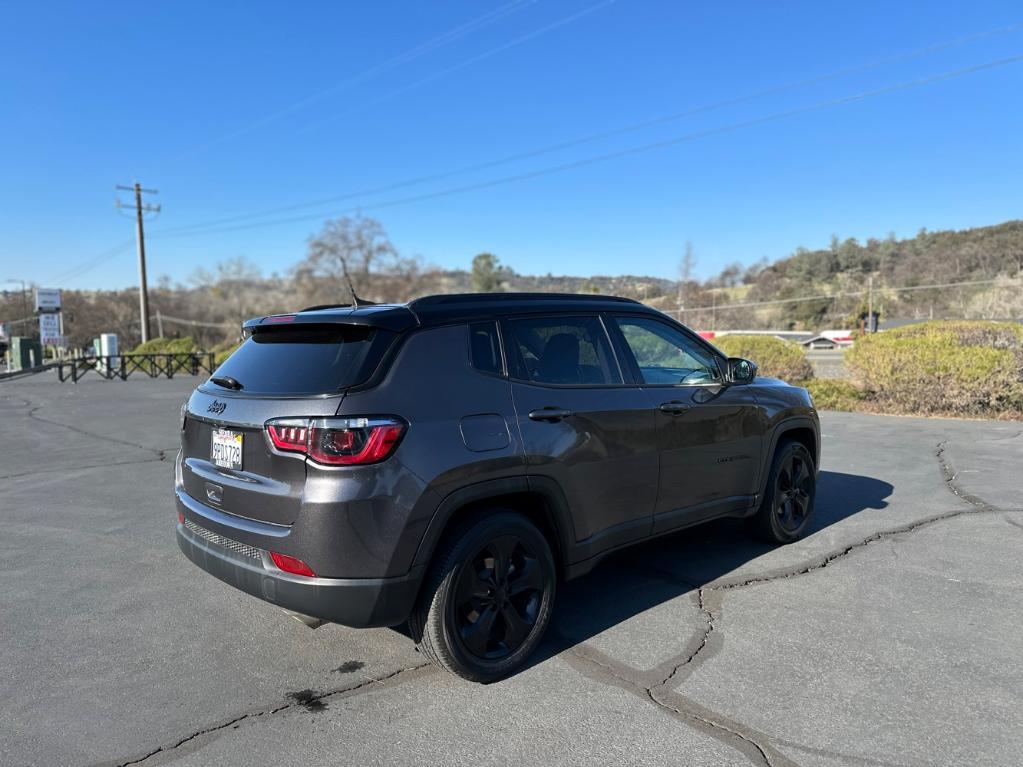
(306, 359)
(563, 350)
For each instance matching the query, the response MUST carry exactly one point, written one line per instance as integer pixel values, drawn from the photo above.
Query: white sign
(49, 329)
(3, 331)
(47, 300)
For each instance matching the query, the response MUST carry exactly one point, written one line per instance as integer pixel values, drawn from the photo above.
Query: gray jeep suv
(447, 462)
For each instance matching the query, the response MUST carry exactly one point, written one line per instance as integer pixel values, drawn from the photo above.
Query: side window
(563, 350)
(485, 348)
(666, 355)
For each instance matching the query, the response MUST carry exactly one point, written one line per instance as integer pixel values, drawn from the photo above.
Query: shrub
(952, 368)
(834, 394)
(774, 357)
(166, 346)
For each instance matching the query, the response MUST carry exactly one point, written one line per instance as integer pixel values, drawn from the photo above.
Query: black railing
(123, 365)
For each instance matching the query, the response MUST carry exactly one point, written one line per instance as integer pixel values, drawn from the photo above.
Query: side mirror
(741, 371)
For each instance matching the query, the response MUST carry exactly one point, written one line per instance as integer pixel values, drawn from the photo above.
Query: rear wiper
(227, 382)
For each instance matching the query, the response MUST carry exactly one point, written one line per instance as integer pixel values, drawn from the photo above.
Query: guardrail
(123, 365)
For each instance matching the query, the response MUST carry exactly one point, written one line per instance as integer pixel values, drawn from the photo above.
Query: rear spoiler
(388, 316)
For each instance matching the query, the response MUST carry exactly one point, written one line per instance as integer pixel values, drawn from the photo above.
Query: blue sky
(233, 108)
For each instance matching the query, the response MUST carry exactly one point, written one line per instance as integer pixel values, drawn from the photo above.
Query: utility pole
(140, 210)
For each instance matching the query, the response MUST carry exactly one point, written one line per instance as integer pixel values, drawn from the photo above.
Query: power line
(627, 152)
(842, 294)
(463, 64)
(92, 263)
(458, 32)
(611, 133)
(677, 309)
(213, 227)
(463, 30)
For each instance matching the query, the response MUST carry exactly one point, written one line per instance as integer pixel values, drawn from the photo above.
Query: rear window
(306, 359)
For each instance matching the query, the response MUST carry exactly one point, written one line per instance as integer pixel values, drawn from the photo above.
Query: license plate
(226, 449)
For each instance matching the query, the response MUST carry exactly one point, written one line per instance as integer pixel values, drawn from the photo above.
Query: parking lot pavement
(890, 636)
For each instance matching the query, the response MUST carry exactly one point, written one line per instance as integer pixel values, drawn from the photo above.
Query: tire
(487, 598)
(784, 515)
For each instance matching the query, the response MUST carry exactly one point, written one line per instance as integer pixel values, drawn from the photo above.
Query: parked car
(448, 462)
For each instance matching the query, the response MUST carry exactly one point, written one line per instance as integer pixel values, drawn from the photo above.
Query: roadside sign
(49, 329)
(47, 300)
(3, 331)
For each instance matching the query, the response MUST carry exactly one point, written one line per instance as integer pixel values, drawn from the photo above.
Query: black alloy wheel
(497, 599)
(787, 508)
(792, 488)
(487, 598)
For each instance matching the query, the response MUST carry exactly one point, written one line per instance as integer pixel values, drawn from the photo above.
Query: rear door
(228, 461)
(710, 432)
(582, 427)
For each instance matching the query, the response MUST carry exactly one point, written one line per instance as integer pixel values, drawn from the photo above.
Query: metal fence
(123, 365)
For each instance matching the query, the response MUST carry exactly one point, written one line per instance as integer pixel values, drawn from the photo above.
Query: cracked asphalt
(889, 636)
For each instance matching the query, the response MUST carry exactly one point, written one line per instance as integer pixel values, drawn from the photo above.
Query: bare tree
(686, 268)
(361, 246)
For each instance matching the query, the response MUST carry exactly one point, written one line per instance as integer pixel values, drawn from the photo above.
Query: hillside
(213, 304)
(984, 253)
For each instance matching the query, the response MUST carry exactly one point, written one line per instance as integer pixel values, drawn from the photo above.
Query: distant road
(827, 363)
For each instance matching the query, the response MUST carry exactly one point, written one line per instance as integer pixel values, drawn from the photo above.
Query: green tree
(486, 273)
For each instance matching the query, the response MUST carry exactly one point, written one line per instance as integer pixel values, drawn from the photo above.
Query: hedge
(167, 346)
(774, 357)
(835, 394)
(942, 367)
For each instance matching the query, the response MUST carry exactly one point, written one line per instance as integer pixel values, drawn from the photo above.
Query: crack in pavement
(33, 408)
(709, 599)
(950, 476)
(298, 701)
(82, 468)
(709, 722)
(160, 454)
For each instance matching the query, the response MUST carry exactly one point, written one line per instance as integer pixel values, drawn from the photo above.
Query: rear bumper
(356, 602)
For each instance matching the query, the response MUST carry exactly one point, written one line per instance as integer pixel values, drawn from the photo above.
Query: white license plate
(226, 449)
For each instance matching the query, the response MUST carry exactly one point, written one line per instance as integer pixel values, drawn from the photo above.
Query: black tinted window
(484, 347)
(563, 350)
(306, 359)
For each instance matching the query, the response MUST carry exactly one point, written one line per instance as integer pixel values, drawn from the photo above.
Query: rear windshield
(306, 359)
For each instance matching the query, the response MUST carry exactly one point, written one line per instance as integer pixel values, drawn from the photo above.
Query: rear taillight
(289, 436)
(337, 441)
(292, 565)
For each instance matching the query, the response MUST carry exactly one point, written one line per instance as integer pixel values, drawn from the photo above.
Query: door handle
(549, 414)
(674, 407)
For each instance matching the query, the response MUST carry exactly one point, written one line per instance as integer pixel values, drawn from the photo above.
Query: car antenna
(356, 301)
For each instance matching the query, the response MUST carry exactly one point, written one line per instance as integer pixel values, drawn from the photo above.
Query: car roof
(447, 308)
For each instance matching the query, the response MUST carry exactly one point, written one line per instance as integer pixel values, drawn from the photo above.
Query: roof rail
(464, 298)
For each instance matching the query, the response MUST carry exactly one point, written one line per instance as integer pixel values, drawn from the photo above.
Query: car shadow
(641, 577)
